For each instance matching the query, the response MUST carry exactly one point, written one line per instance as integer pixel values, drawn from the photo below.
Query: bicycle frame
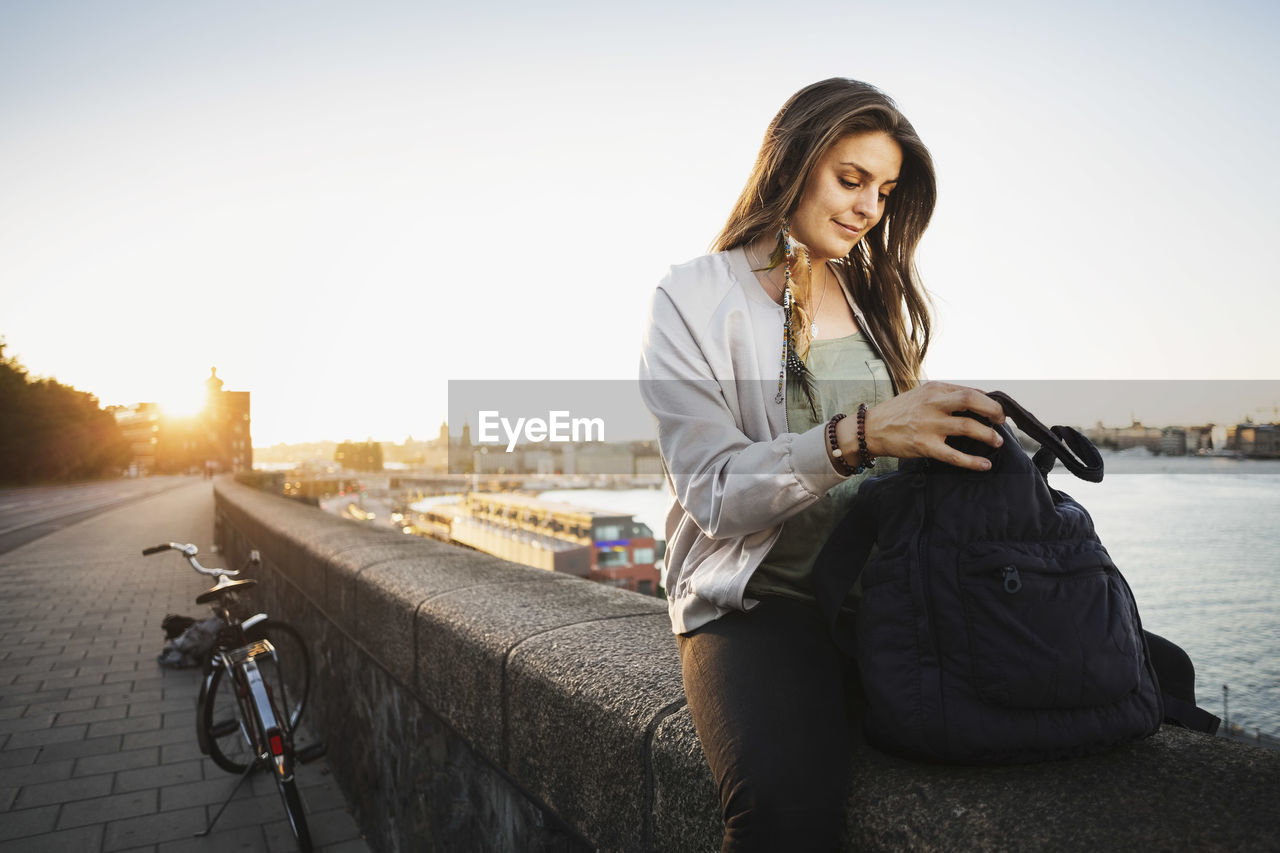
(271, 732)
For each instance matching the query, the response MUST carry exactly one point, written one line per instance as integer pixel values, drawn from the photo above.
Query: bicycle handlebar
(188, 551)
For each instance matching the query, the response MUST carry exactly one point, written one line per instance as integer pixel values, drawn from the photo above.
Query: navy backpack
(992, 625)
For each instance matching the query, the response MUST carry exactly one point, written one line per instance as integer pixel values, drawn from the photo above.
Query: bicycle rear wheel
(288, 676)
(223, 726)
(293, 808)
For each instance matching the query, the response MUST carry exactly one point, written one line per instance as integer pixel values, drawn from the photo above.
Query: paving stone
(149, 684)
(10, 712)
(210, 792)
(81, 748)
(184, 718)
(103, 690)
(7, 796)
(182, 691)
(92, 715)
(161, 776)
(156, 828)
(117, 761)
(181, 705)
(184, 751)
(322, 797)
(90, 679)
(160, 737)
(280, 836)
(45, 674)
(244, 839)
(330, 826)
(253, 810)
(112, 807)
(80, 839)
(26, 822)
(125, 725)
(16, 694)
(65, 790)
(82, 704)
(45, 737)
(354, 845)
(33, 774)
(26, 724)
(140, 698)
(18, 757)
(41, 669)
(112, 677)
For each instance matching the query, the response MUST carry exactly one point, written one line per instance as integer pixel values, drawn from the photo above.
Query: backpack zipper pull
(1012, 582)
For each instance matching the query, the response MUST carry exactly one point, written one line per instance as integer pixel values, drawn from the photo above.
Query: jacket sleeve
(729, 484)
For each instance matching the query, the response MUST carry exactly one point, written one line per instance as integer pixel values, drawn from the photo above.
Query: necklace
(813, 326)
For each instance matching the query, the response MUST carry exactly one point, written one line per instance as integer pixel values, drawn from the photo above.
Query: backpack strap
(837, 569)
(1061, 442)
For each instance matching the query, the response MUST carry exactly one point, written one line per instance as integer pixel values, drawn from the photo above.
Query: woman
(780, 369)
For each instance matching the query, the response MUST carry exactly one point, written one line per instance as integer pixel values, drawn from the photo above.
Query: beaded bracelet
(837, 455)
(868, 461)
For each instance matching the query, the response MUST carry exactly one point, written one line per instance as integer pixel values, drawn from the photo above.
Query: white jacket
(709, 367)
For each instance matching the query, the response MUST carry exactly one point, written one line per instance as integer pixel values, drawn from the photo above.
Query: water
(1196, 539)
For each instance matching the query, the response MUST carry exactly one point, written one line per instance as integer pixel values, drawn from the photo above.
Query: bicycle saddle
(222, 587)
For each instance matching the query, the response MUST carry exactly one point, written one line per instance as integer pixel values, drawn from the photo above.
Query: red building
(607, 547)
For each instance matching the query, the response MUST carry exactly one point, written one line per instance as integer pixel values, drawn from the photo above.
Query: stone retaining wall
(472, 704)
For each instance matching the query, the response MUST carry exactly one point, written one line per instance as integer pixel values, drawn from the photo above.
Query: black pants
(769, 694)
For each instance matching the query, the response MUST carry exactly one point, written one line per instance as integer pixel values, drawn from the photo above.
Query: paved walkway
(97, 741)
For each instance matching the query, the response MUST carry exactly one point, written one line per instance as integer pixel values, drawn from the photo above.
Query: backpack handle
(1060, 442)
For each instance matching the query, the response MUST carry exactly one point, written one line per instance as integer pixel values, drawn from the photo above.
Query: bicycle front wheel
(293, 808)
(223, 726)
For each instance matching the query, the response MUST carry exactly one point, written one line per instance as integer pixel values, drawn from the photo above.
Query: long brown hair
(882, 272)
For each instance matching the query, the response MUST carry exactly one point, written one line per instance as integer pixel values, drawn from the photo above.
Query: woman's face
(846, 192)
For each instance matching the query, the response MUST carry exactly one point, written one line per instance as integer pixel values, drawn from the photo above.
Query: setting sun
(182, 402)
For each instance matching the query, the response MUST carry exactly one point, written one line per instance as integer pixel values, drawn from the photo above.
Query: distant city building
(1255, 440)
(1173, 441)
(217, 439)
(607, 547)
(140, 426)
(1123, 438)
(226, 423)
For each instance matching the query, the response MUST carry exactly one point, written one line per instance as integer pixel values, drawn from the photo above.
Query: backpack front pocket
(1048, 630)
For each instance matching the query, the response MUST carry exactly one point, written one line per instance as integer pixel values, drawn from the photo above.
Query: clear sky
(344, 205)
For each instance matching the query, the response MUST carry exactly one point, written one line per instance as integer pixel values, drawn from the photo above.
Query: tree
(51, 432)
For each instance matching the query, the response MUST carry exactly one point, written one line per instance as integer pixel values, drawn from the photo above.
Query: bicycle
(252, 694)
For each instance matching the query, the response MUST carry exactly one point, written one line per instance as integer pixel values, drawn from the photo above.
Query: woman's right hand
(918, 422)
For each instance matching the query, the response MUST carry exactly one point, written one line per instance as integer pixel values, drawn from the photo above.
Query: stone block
(686, 807)
(389, 594)
(1168, 792)
(600, 686)
(464, 637)
(344, 568)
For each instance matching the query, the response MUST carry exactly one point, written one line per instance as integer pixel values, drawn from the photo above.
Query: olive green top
(846, 372)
